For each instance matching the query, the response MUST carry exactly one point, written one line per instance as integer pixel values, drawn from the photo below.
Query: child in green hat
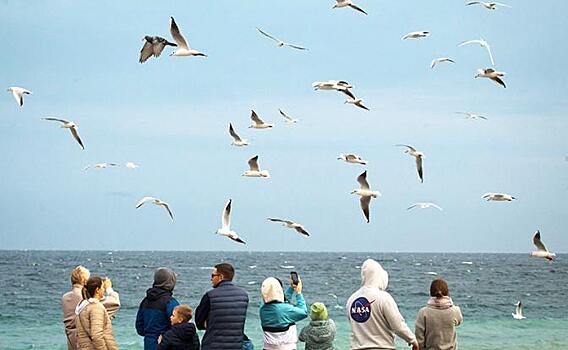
(320, 333)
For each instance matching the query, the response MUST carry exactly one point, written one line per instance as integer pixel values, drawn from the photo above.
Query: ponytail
(91, 287)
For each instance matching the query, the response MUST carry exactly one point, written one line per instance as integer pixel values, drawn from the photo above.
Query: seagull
(131, 165)
(184, 48)
(254, 169)
(488, 5)
(472, 116)
(440, 60)
(225, 229)
(424, 205)
(541, 252)
(258, 123)
(279, 42)
(518, 315)
(338, 85)
(491, 74)
(100, 166)
(66, 124)
(345, 3)
(155, 201)
(153, 46)
(418, 155)
(18, 94)
(482, 43)
(237, 141)
(287, 118)
(291, 224)
(357, 102)
(416, 35)
(351, 158)
(337, 306)
(499, 197)
(366, 194)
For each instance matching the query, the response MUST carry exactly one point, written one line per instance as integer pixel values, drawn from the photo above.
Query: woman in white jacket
(373, 313)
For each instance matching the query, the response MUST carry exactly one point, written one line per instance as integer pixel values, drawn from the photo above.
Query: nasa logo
(361, 309)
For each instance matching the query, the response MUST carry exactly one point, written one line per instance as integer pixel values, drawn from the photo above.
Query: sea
(485, 286)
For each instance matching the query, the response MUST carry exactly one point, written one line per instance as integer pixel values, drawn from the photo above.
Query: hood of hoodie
(84, 303)
(320, 332)
(154, 293)
(164, 278)
(271, 290)
(183, 331)
(373, 275)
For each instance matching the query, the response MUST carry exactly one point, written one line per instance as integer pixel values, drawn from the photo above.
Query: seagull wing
(365, 201)
(436, 206)
(144, 200)
(348, 93)
(419, 168)
(226, 216)
(474, 41)
(499, 81)
(357, 8)
(255, 118)
(489, 52)
(434, 62)
(300, 229)
(19, 96)
(473, 3)
(362, 180)
(407, 146)
(76, 136)
(253, 163)
(57, 120)
(267, 35)
(296, 47)
(285, 115)
(501, 4)
(178, 38)
(237, 239)
(233, 133)
(412, 206)
(361, 105)
(165, 205)
(351, 157)
(277, 220)
(538, 243)
(146, 52)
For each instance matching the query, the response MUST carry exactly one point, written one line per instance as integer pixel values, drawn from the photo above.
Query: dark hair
(185, 312)
(227, 270)
(93, 283)
(439, 288)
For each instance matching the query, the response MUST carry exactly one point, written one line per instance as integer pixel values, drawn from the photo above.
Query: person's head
(271, 290)
(373, 275)
(222, 272)
(181, 314)
(80, 275)
(93, 288)
(164, 278)
(318, 312)
(439, 288)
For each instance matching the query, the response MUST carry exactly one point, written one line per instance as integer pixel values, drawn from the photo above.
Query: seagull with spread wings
(255, 170)
(183, 47)
(18, 94)
(351, 158)
(345, 3)
(258, 123)
(225, 229)
(418, 156)
(424, 205)
(237, 140)
(416, 35)
(279, 42)
(291, 224)
(357, 102)
(518, 314)
(440, 60)
(157, 202)
(287, 118)
(67, 124)
(488, 5)
(498, 197)
(153, 46)
(472, 116)
(337, 85)
(541, 251)
(481, 42)
(99, 166)
(491, 74)
(366, 194)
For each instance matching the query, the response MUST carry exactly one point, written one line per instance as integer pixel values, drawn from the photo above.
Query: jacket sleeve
(166, 340)
(288, 294)
(396, 321)
(458, 316)
(298, 312)
(111, 302)
(195, 337)
(202, 312)
(420, 329)
(97, 317)
(140, 319)
(171, 306)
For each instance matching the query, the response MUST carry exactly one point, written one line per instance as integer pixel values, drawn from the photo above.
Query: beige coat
(94, 329)
(436, 329)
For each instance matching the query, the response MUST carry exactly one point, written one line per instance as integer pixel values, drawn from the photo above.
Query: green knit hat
(318, 312)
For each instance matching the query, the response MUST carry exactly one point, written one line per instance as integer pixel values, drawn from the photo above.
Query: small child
(320, 333)
(183, 334)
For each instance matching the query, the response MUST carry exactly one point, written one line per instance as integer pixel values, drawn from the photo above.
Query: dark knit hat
(164, 278)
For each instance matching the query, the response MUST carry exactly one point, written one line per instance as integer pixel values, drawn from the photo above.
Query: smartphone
(294, 277)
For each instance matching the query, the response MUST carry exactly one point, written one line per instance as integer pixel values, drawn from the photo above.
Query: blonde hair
(185, 312)
(80, 275)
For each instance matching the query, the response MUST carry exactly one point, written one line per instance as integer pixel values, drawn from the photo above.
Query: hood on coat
(373, 275)
(184, 331)
(271, 290)
(154, 294)
(83, 304)
(164, 278)
(320, 332)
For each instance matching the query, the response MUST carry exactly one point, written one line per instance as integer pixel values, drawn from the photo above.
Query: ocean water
(32, 282)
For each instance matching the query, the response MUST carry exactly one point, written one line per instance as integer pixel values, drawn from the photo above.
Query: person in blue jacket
(278, 317)
(153, 317)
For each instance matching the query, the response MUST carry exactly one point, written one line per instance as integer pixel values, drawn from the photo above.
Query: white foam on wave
(287, 266)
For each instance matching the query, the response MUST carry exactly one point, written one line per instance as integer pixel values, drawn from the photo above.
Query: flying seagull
(291, 224)
(351, 158)
(237, 141)
(279, 42)
(225, 229)
(66, 124)
(184, 48)
(488, 5)
(338, 85)
(345, 3)
(153, 46)
(424, 205)
(366, 194)
(99, 166)
(440, 60)
(518, 315)
(541, 251)
(287, 118)
(419, 156)
(472, 116)
(481, 43)
(357, 102)
(18, 94)
(155, 201)
(416, 35)
(491, 74)
(258, 123)
(498, 197)
(254, 169)
(131, 165)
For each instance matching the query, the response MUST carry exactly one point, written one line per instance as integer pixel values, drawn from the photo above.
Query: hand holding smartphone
(294, 278)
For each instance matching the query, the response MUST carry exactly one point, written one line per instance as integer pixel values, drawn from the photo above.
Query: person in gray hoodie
(320, 332)
(373, 313)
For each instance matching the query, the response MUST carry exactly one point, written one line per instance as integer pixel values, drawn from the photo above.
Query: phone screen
(294, 277)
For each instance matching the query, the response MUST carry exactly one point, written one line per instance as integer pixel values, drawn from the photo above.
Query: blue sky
(170, 115)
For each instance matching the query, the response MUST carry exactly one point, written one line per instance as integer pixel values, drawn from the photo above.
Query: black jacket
(182, 336)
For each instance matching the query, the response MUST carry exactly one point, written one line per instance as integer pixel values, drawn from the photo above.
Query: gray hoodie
(319, 335)
(373, 313)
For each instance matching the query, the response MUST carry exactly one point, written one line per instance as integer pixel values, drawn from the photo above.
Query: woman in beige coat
(94, 329)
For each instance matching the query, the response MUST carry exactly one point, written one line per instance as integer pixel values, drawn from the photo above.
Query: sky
(170, 115)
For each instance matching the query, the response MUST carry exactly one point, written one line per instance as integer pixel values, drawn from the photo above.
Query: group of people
(166, 324)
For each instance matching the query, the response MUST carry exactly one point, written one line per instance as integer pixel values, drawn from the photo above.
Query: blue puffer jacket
(153, 317)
